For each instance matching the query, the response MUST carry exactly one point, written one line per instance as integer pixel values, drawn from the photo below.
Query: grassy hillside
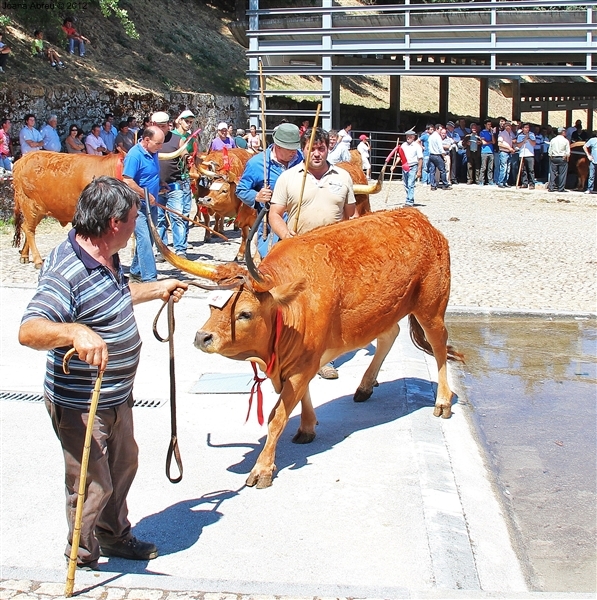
(185, 45)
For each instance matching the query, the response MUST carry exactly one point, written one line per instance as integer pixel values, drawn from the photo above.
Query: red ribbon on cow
(257, 381)
(225, 159)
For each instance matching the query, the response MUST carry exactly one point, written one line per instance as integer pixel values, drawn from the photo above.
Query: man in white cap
(161, 119)
(175, 187)
(412, 165)
(222, 139)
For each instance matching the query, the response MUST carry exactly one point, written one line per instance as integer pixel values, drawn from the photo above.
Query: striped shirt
(74, 288)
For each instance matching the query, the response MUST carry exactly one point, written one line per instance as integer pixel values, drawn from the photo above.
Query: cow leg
(30, 223)
(240, 255)
(437, 336)
(294, 388)
(384, 344)
(306, 431)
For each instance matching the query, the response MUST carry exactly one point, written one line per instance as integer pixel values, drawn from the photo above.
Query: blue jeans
(143, 263)
(424, 174)
(504, 168)
(437, 162)
(6, 163)
(591, 180)
(180, 201)
(71, 46)
(408, 178)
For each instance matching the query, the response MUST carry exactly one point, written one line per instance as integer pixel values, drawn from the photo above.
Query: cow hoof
(261, 481)
(38, 265)
(445, 412)
(362, 394)
(301, 437)
(24, 260)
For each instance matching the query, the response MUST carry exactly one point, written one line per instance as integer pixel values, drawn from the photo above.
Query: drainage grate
(21, 397)
(149, 403)
(25, 397)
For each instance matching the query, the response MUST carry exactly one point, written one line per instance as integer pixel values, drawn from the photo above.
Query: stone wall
(86, 107)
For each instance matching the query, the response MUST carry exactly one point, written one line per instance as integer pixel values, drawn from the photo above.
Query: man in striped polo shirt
(84, 301)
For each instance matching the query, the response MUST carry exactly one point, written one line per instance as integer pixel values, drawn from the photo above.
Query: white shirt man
(30, 139)
(50, 135)
(94, 143)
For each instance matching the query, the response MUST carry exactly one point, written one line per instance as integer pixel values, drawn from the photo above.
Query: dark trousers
(473, 166)
(112, 468)
(453, 165)
(486, 168)
(528, 170)
(436, 161)
(558, 167)
(3, 59)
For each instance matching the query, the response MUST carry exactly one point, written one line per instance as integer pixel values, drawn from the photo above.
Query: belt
(176, 185)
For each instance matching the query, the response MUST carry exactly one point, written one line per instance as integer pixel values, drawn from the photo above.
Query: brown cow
(324, 293)
(50, 183)
(221, 200)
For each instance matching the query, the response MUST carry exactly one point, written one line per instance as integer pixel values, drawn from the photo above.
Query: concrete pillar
(336, 124)
(515, 99)
(544, 117)
(395, 100)
(444, 98)
(483, 98)
(590, 117)
(568, 118)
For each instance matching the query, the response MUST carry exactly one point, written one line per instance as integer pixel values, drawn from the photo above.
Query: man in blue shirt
(281, 155)
(50, 135)
(108, 135)
(142, 170)
(424, 141)
(487, 142)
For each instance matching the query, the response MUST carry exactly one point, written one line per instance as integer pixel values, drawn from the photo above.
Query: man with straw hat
(84, 301)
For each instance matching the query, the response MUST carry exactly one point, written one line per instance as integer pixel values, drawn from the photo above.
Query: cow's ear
(286, 293)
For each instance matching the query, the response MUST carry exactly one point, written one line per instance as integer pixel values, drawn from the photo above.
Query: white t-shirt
(345, 138)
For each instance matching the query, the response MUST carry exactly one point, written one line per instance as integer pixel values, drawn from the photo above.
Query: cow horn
(204, 270)
(207, 173)
(172, 155)
(372, 188)
(251, 267)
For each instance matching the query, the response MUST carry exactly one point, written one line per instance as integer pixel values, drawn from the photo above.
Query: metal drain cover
(21, 397)
(27, 397)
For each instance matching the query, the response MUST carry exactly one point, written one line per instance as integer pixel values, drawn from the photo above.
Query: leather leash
(173, 449)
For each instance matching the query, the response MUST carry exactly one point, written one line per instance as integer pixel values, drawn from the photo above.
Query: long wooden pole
(263, 131)
(72, 562)
(306, 159)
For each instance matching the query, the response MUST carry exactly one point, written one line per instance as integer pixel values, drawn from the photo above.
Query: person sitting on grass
(74, 37)
(38, 49)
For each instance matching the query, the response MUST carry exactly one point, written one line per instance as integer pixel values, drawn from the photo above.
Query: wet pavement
(530, 382)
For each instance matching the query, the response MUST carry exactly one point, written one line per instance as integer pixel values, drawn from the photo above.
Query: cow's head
(243, 326)
(221, 197)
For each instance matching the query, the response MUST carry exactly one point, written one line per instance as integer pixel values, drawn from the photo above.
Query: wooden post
(515, 99)
(444, 98)
(483, 98)
(395, 99)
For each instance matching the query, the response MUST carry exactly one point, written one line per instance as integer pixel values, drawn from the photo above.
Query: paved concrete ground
(387, 502)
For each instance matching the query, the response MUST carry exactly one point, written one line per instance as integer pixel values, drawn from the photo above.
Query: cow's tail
(417, 335)
(18, 216)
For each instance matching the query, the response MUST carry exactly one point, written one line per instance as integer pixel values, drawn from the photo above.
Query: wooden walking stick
(394, 163)
(313, 130)
(262, 98)
(520, 161)
(72, 562)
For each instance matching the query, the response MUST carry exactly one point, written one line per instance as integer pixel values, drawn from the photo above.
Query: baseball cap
(287, 136)
(363, 137)
(186, 114)
(410, 132)
(160, 117)
(223, 125)
(561, 129)
(451, 123)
